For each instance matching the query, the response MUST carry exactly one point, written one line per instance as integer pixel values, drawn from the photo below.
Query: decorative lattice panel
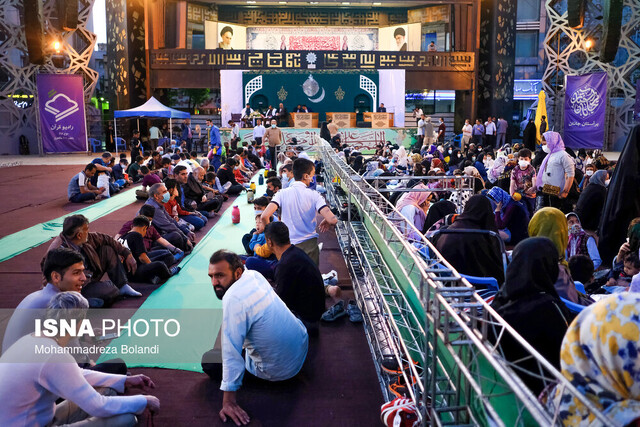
(371, 88)
(567, 54)
(18, 76)
(252, 86)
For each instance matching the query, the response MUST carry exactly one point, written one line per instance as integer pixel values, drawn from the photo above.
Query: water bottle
(250, 196)
(266, 171)
(235, 215)
(252, 186)
(260, 180)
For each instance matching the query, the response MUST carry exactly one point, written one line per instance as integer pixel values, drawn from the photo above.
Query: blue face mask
(165, 197)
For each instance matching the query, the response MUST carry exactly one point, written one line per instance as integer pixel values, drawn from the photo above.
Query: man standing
(102, 254)
(283, 115)
(442, 129)
(235, 135)
(80, 188)
(333, 128)
(382, 108)
(298, 205)
(467, 131)
(215, 144)
(187, 136)
(273, 136)
(490, 132)
(420, 136)
(298, 280)
(417, 113)
(502, 131)
(154, 136)
(136, 146)
(274, 341)
(428, 132)
(478, 132)
(258, 132)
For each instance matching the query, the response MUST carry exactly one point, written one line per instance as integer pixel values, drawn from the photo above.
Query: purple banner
(585, 108)
(61, 108)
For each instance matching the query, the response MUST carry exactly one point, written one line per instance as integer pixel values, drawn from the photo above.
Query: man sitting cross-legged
(80, 188)
(257, 322)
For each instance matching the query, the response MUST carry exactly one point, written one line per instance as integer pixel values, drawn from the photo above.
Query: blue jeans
(195, 220)
(264, 266)
(216, 162)
(82, 197)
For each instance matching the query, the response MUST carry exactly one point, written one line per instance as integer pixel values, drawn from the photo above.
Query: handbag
(551, 190)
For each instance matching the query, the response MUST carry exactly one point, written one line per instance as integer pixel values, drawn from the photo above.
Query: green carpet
(188, 298)
(17, 243)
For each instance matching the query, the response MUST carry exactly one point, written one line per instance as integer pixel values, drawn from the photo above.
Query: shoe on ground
(330, 275)
(156, 280)
(175, 270)
(128, 291)
(335, 312)
(355, 315)
(320, 246)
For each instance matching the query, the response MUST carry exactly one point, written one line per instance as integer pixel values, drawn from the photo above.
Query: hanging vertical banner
(636, 108)
(62, 115)
(585, 108)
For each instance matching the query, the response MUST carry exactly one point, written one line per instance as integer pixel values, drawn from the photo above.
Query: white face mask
(589, 172)
(273, 126)
(523, 164)
(546, 149)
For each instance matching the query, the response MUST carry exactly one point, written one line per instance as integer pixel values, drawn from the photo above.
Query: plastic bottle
(266, 171)
(250, 196)
(260, 180)
(235, 215)
(252, 186)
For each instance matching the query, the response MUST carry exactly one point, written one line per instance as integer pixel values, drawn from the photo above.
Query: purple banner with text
(62, 117)
(585, 108)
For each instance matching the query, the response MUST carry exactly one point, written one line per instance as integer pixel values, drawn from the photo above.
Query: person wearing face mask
(588, 173)
(162, 221)
(274, 341)
(523, 178)
(414, 206)
(580, 243)
(442, 129)
(273, 186)
(299, 205)
(286, 175)
(273, 136)
(556, 174)
(592, 199)
(511, 217)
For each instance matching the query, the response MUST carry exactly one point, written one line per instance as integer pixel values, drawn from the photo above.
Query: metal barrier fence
(422, 316)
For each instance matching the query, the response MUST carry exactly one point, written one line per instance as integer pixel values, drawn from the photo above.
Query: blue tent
(151, 108)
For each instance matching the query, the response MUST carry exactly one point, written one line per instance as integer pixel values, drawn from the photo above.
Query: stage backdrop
(585, 108)
(320, 91)
(312, 38)
(62, 115)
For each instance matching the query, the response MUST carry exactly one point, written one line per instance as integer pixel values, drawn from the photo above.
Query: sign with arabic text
(62, 116)
(220, 59)
(585, 108)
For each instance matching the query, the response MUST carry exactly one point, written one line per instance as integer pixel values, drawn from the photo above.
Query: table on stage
(305, 120)
(379, 120)
(343, 120)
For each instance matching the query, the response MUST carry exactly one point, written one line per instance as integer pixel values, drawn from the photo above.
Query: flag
(541, 111)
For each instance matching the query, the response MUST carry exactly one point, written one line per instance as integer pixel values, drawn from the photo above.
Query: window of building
(526, 44)
(528, 10)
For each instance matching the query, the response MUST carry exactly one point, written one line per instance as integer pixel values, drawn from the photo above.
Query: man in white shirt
(417, 113)
(235, 135)
(299, 205)
(154, 136)
(254, 321)
(490, 133)
(420, 135)
(467, 129)
(258, 131)
(246, 114)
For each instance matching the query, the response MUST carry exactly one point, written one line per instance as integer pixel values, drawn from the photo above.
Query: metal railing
(420, 313)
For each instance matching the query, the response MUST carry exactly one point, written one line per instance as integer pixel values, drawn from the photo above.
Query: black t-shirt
(135, 242)
(299, 284)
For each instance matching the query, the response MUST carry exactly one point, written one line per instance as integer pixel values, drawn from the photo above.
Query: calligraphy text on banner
(585, 108)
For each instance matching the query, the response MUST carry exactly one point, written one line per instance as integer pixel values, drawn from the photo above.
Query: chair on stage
(96, 145)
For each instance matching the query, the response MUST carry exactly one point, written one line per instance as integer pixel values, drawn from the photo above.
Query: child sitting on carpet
(263, 261)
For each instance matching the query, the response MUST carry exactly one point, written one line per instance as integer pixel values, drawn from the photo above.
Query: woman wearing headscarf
(414, 205)
(580, 243)
(529, 135)
(528, 293)
(551, 223)
(511, 216)
(599, 356)
(436, 212)
(403, 159)
(557, 172)
(324, 132)
(473, 254)
(479, 165)
(591, 200)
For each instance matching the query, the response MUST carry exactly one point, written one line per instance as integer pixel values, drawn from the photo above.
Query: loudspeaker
(612, 24)
(575, 12)
(67, 15)
(34, 30)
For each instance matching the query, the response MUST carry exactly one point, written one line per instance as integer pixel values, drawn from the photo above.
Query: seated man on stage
(273, 340)
(246, 116)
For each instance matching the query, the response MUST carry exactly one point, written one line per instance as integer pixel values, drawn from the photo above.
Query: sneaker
(177, 257)
(335, 312)
(175, 270)
(330, 275)
(399, 388)
(355, 315)
(128, 291)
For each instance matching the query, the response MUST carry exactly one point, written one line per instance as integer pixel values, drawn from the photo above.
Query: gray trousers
(69, 414)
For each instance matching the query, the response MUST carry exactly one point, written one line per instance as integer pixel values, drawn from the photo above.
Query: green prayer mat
(17, 243)
(188, 298)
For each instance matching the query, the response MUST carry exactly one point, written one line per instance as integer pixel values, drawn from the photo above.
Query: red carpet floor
(338, 385)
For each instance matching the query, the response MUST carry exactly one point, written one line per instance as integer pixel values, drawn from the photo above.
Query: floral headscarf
(599, 356)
